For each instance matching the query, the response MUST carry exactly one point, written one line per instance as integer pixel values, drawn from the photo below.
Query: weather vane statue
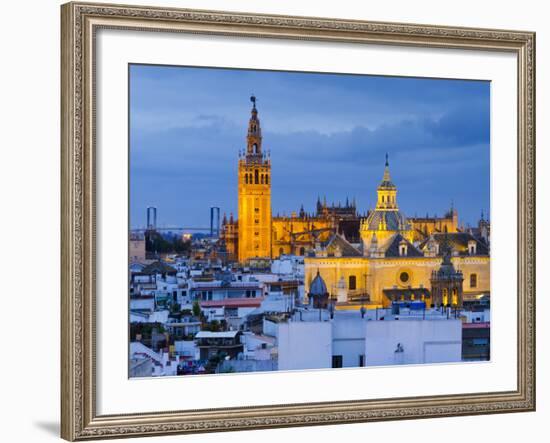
(253, 99)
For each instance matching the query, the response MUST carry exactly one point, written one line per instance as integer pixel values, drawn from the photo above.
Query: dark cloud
(187, 131)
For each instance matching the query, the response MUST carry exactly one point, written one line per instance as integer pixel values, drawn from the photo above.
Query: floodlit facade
(388, 265)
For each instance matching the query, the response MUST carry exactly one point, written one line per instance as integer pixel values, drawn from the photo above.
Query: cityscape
(338, 285)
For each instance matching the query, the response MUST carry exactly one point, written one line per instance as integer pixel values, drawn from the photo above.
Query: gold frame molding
(79, 22)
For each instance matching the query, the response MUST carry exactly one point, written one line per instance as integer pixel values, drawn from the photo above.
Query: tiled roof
(395, 220)
(476, 325)
(393, 248)
(458, 241)
(233, 303)
(159, 267)
(336, 241)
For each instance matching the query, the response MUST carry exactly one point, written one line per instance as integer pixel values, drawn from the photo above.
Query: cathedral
(375, 258)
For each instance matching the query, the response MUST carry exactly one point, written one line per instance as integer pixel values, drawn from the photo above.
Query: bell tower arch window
(256, 176)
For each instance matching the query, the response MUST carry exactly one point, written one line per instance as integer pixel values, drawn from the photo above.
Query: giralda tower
(254, 194)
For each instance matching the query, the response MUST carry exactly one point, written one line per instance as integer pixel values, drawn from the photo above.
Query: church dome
(392, 220)
(318, 286)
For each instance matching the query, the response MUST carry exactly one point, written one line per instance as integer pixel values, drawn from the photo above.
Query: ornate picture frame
(80, 22)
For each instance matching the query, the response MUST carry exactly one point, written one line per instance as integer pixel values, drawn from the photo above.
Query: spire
(386, 178)
(254, 135)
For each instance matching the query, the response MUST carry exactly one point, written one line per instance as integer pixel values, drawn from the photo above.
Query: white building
(187, 349)
(304, 345)
(413, 341)
(350, 340)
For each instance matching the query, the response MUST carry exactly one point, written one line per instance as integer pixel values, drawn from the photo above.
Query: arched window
(246, 178)
(455, 297)
(267, 179)
(352, 282)
(382, 199)
(445, 300)
(302, 251)
(473, 280)
(262, 179)
(256, 176)
(255, 148)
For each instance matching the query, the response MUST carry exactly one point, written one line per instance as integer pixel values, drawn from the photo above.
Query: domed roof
(394, 220)
(387, 184)
(318, 286)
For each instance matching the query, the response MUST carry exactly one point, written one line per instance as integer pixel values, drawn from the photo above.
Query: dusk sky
(328, 135)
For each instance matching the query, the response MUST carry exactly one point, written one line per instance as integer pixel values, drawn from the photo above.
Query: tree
(156, 243)
(197, 309)
(215, 326)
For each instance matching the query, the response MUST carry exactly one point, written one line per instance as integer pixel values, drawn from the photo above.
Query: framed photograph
(277, 221)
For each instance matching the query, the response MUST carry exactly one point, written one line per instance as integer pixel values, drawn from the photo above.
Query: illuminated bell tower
(254, 194)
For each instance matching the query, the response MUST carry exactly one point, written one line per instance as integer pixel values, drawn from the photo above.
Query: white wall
(305, 345)
(348, 335)
(423, 341)
(142, 303)
(29, 178)
(187, 348)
